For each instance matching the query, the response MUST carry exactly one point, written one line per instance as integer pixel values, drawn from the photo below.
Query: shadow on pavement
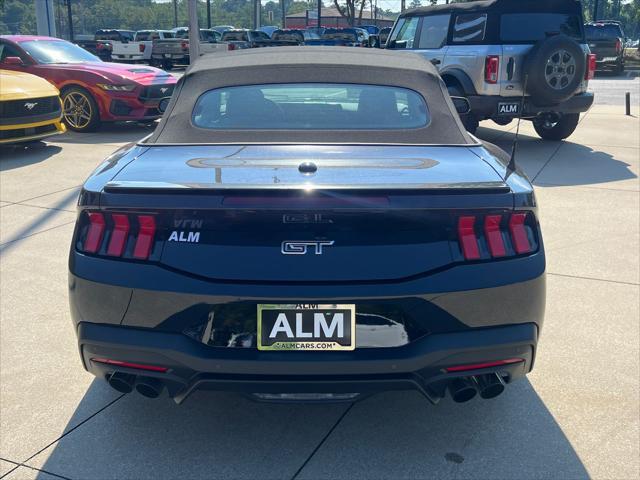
(16, 156)
(391, 435)
(572, 164)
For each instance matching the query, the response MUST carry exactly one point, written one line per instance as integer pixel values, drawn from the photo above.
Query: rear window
(603, 32)
(532, 27)
(310, 106)
(235, 36)
(469, 28)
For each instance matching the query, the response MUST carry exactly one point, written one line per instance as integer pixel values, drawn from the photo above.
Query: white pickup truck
(167, 53)
(129, 46)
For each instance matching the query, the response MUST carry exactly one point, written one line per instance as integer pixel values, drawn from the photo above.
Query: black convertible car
(308, 224)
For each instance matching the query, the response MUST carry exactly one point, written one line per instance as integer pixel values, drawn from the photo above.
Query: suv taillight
(591, 66)
(618, 45)
(118, 234)
(496, 235)
(491, 69)
(185, 45)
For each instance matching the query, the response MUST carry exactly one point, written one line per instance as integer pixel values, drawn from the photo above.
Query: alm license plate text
(508, 108)
(306, 326)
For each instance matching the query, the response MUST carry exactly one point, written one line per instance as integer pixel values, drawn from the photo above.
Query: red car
(92, 91)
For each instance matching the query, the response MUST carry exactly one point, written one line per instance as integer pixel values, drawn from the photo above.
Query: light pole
(595, 10)
(319, 14)
(208, 13)
(70, 20)
(175, 13)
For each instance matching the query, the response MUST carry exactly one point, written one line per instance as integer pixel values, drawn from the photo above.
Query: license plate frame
(307, 323)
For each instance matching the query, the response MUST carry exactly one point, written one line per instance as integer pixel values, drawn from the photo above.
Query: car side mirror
(12, 61)
(462, 105)
(163, 104)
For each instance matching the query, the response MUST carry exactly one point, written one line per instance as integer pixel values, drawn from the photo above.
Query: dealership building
(331, 18)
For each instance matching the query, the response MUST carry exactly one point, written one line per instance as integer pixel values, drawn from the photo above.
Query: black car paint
(447, 313)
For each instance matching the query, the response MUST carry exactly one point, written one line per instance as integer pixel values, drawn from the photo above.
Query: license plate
(306, 326)
(167, 55)
(609, 59)
(508, 108)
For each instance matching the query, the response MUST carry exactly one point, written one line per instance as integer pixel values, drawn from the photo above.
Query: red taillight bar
(146, 235)
(478, 366)
(467, 236)
(491, 69)
(119, 236)
(494, 235)
(138, 366)
(142, 47)
(519, 233)
(591, 67)
(95, 232)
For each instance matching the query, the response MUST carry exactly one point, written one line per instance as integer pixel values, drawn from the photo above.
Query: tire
(167, 65)
(555, 68)
(469, 121)
(80, 110)
(560, 130)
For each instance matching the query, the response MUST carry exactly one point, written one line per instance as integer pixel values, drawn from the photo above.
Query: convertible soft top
(335, 65)
(500, 6)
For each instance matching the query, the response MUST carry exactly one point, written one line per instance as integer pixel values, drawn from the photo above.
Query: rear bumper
(487, 106)
(418, 366)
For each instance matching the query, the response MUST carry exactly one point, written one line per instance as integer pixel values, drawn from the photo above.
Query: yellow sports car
(30, 108)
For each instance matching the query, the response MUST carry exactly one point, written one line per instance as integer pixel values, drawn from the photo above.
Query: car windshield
(311, 106)
(602, 32)
(532, 27)
(57, 51)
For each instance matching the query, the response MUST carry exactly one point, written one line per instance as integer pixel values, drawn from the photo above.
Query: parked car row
(91, 91)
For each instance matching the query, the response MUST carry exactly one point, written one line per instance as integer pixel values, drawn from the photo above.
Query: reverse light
(491, 69)
(138, 366)
(591, 67)
(478, 366)
(117, 88)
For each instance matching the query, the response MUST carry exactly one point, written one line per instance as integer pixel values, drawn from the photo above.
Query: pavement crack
(70, 431)
(324, 439)
(594, 279)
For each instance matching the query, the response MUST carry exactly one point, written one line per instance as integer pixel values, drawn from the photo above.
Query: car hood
(141, 74)
(22, 86)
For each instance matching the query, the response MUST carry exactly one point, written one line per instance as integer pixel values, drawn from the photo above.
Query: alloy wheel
(77, 110)
(560, 69)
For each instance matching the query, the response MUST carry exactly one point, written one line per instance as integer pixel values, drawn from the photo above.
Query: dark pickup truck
(605, 39)
(239, 39)
(100, 48)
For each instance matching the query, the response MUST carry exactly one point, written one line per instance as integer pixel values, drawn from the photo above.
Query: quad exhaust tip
(122, 382)
(149, 387)
(465, 388)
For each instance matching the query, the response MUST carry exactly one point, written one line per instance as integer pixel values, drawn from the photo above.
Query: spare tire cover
(555, 68)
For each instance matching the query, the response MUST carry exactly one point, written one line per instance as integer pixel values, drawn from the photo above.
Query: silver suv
(495, 52)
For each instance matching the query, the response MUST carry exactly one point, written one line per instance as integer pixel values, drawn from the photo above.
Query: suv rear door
(519, 32)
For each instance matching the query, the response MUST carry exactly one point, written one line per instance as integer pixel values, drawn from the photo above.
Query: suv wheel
(555, 67)
(550, 128)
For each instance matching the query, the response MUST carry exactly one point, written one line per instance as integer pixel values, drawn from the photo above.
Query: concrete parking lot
(576, 416)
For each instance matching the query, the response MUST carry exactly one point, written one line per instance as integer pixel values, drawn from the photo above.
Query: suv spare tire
(555, 67)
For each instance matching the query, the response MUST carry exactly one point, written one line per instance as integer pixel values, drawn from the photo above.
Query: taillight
(119, 235)
(519, 233)
(491, 69)
(495, 236)
(618, 45)
(591, 67)
(142, 46)
(111, 233)
(231, 46)
(467, 237)
(147, 232)
(185, 45)
(94, 233)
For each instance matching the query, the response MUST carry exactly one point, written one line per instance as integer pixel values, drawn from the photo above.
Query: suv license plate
(306, 326)
(508, 108)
